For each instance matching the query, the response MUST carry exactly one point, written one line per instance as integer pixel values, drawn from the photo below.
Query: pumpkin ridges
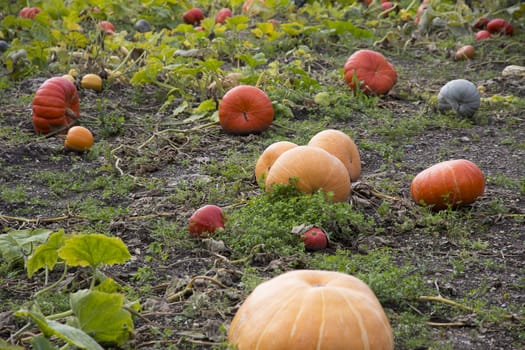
(269, 156)
(340, 330)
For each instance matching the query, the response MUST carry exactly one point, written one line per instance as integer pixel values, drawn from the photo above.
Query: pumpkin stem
(245, 115)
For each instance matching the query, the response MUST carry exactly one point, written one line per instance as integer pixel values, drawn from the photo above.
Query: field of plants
(162, 160)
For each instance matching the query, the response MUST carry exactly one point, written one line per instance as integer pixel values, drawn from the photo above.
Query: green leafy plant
(98, 315)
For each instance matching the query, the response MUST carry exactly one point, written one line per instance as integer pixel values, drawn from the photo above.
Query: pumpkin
(29, 12)
(78, 139)
(253, 7)
(244, 110)
(461, 96)
(268, 157)
(369, 71)
(482, 35)
(451, 183)
(222, 14)
(465, 52)
(106, 27)
(91, 81)
(51, 102)
(342, 146)
(499, 25)
(310, 169)
(193, 16)
(311, 309)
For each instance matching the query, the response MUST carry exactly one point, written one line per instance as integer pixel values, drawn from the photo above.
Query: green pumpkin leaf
(93, 250)
(342, 27)
(71, 335)
(4, 345)
(102, 316)
(41, 343)
(17, 244)
(45, 255)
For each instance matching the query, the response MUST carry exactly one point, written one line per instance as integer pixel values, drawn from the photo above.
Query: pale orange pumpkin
(311, 309)
(269, 156)
(310, 169)
(342, 146)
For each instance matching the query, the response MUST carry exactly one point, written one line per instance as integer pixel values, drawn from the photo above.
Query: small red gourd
(311, 310)
(106, 27)
(206, 220)
(78, 138)
(314, 239)
(29, 12)
(269, 156)
(451, 183)
(342, 146)
(245, 110)
(482, 35)
(222, 14)
(369, 71)
(51, 102)
(193, 16)
(313, 169)
(499, 25)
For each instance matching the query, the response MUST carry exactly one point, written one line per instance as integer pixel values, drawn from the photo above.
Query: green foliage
(269, 218)
(17, 245)
(394, 285)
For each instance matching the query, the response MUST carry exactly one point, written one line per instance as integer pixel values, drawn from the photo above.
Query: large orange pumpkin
(269, 156)
(314, 169)
(451, 183)
(342, 146)
(369, 71)
(311, 309)
(50, 104)
(245, 110)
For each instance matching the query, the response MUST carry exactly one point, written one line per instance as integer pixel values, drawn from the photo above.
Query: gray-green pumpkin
(459, 95)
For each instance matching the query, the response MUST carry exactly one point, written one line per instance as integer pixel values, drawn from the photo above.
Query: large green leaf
(19, 243)
(93, 250)
(46, 255)
(71, 335)
(101, 315)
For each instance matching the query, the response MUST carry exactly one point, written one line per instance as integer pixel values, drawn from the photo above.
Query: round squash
(78, 139)
(451, 183)
(268, 157)
(245, 110)
(91, 81)
(461, 96)
(369, 71)
(342, 146)
(50, 104)
(311, 169)
(311, 310)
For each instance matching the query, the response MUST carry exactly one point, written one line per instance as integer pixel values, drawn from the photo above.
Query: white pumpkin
(461, 96)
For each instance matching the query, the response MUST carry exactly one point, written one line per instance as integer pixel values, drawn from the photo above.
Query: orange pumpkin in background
(314, 169)
(451, 183)
(370, 72)
(311, 310)
(51, 102)
(245, 110)
(342, 146)
(269, 156)
(253, 7)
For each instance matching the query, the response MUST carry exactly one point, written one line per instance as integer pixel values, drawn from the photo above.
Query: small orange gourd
(269, 156)
(369, 71)
(310, 169)
(78, 139)
(452, 183)
(342, 146)
(311, 310)
(91, 81)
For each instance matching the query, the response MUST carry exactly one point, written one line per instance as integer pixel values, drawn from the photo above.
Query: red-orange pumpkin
(451, 183)
(342, 146)
(314, 169)
(369, 71)
(269, 156)
(245, 110)
(50, 103)
(311, 310)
